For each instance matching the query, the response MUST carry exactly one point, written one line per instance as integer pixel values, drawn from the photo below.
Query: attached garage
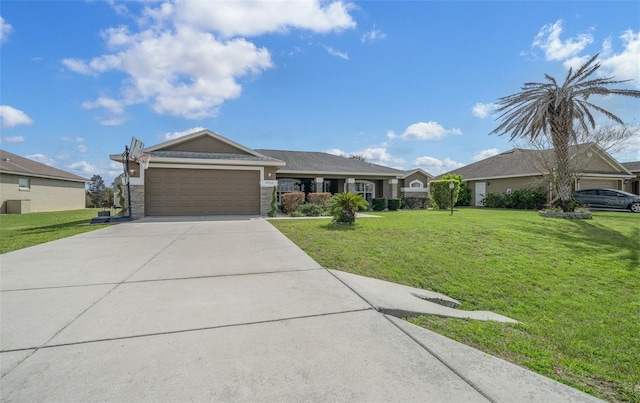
(181, 191)
(599, 183)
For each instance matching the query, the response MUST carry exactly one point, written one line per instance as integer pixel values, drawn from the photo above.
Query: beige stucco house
(522, 168)
(29, 186)
(205, 173)
(633, 184)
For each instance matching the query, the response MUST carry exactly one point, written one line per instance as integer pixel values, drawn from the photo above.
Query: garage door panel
(170, 191)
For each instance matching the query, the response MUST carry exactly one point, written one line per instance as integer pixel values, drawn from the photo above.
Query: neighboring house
(521, 168)
(29, 186)
(204, 173)
(633, 184)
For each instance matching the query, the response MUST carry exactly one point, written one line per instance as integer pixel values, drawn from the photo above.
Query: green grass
(19, 231)
(573, 284)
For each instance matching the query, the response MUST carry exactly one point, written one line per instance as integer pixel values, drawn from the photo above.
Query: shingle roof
(211, 156)
(308, 162)
(14, 164)
(633, 166)
(518, 162)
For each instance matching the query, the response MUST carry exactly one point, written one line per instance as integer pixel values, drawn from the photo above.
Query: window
(416, 184)
(287, 186)
(365, 189)
(24, 183)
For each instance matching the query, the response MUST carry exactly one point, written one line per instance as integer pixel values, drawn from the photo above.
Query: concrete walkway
(220, 309)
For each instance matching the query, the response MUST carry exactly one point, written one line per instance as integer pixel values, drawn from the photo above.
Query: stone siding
(137, 201)
(266, 194)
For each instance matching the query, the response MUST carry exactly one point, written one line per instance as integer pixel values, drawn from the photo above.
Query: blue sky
(405, 84)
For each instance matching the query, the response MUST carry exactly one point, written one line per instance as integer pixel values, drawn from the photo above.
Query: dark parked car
(608, 198)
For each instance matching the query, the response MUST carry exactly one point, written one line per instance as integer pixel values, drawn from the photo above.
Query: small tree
(344, 206)
(464, 194)
(441, 194)
(97, 191)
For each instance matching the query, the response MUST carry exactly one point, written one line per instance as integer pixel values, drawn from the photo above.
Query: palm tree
(548, 109)
(343, 207)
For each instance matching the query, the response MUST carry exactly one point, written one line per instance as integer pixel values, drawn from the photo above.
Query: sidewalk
(221, 309)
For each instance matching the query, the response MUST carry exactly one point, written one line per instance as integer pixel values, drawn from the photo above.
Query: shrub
(343, 207)
(379, 203)
(414, 203)
(441, 194)
(321, 199)
(292, 201)
(464, 195)
(394, 204)
(310, 210)
(521, 199)
(274, 206)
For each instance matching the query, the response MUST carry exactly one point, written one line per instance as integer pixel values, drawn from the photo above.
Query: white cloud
(481, 110)
(42, 158)
(112, 105)
(5, 29)
(391, 135)
(187, 58)
(337, 53)
(548, 40)
(175, 135)
(484, 154)
(70, 139)
(243, 18)
(380, 156)
(82, 148)
(373, 35)
(436, 166)
(336, 151)
(84, 168)
(12, 139)
(427, 131)
(624, 65)
(13, 117)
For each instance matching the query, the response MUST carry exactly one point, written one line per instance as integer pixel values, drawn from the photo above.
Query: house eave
(282, 172)
(31, 175)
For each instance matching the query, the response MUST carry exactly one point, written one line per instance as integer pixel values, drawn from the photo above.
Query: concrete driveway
(220, 309)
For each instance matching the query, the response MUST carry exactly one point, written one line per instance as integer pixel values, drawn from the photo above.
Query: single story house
(29, 186)
(523, 168)
(204, 173)
(633, 184)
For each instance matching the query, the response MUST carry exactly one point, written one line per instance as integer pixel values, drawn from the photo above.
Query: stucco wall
(45, 194)
(503, 185)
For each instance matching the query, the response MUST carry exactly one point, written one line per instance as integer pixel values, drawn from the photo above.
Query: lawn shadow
(41, 229)
(589, 233)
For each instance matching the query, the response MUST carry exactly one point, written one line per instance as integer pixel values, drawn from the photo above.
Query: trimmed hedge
(292, 201)
(321, 199)
(379, 204)
(310, 210)
(441, 194)
(274, 207)
(394, 204)
(415, 203)
(521, 199)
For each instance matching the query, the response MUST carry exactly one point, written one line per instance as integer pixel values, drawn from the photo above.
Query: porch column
(319, 182)
(351, 185)
(394, 188)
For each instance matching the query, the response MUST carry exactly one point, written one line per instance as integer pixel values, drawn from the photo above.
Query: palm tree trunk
(563, 176)
(561, 126)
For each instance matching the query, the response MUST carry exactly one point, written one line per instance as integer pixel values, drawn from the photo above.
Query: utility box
(18, 206)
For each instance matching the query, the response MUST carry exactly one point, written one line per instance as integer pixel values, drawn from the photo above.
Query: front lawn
(573, 285)
(19, 231)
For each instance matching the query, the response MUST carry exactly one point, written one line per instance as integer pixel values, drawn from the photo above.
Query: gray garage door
(170, 191)
(598, 183)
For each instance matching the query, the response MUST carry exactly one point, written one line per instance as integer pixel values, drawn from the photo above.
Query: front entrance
(481, 191)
